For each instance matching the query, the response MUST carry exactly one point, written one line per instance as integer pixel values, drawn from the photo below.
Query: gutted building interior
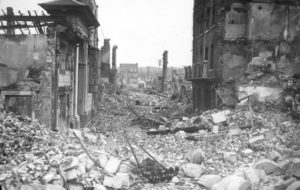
(243, 48)
(49, 63)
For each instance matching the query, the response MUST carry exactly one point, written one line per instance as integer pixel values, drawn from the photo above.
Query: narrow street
(149, 95)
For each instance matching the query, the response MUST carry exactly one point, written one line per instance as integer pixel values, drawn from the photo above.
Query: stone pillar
(86, 77)
(165, 63)
(114, 68)
(75, 95)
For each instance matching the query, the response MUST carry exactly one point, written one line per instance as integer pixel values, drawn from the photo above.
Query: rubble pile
(219, 149)
(32, 157)
(17, 135)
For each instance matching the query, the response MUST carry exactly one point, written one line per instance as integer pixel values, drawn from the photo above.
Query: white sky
(142, 29)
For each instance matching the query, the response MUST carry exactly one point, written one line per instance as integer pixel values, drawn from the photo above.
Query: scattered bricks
(215, 129)
(71, 175)
(73, 162)
(294, 186)
(283, 184)
(86, 161)
(268, 166)
(103, 159)
(230, 157)
(208, 181)
(185, 118)
(31, 166)
(49, 175)
(90, 137)
(247, 152)
(256, 139)
(234, 131)
(125, 168)
(220, 116)
(196, 157)
(114, 182)
(75, 186)
(162, 128)
(175, 179)
(112, 165)
(81, 169)
(95, 174)
(193, 170)
(57, 180)
(77, 132)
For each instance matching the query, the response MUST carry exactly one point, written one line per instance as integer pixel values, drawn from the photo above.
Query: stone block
(193, 170)
(71, 175)
(112, 165)
(72, 163)
(113, 182)
(224, 183)
(254, 176)
(126, 178)
(230, 157)
(196, 157)
(267, 165)
(220, 116)
(208, 181)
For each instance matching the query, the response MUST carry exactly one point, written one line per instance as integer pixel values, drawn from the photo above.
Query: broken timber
(145, 117)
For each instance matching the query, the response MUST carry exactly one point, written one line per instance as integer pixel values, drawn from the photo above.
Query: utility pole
(165, 65)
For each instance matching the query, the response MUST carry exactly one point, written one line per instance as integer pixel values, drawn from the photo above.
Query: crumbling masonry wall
(26, 68)
(260, 50)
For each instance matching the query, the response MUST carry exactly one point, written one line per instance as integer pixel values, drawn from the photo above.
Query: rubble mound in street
(19, 134)
(227, 149)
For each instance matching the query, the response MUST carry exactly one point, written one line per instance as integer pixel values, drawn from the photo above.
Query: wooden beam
(38, 24)
(4, 27)
(10, 22)
(25, 23)
(31, 18)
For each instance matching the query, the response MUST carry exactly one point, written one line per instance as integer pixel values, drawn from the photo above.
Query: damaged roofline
(81, 9)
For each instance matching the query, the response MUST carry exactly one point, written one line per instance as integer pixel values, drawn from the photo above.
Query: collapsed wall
(260, 62)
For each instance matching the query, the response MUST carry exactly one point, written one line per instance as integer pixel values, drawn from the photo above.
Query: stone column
(75, 96)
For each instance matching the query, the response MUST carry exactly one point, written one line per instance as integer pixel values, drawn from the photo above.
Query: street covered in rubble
(219, 149)
(150, 95)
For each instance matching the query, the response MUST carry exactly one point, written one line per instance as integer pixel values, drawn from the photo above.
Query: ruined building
(49, 68)
(243, 48)
(129, 73)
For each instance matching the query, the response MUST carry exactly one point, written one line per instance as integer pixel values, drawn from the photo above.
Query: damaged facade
(54, 75)
(243, 48)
